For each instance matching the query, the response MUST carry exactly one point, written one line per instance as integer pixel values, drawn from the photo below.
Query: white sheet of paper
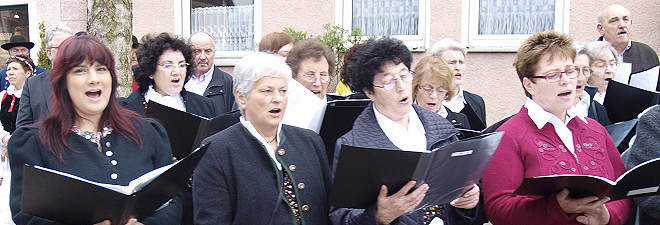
(623, 72)
(646, 79)
(304, 109)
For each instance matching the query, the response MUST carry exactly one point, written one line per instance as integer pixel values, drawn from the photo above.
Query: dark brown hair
(310, 48)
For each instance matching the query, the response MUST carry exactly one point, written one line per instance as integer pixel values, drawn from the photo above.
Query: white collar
(582, 107)
(542, 117)
(271, 151)
(174, 101)
(11, 90)
(203, 77)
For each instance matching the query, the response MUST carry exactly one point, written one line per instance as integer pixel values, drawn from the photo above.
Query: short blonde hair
(434, 68)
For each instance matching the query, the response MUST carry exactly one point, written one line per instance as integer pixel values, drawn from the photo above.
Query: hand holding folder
(69, 199)
(449, 171)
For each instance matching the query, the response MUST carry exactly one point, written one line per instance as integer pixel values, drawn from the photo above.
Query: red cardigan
(526, 151)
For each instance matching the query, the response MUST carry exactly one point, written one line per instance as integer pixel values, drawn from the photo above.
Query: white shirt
(173, 101)
(542, 117)
(600, 97)
(269, 148)
(620, 56)
(199, 85)
(411, 139)
(457, 103)
(582, 107)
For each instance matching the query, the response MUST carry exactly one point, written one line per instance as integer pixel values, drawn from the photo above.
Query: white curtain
(232, 27)
(516, 16)
(386, 17)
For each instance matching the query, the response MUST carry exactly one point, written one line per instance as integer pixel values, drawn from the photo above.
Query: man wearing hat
(17, 45)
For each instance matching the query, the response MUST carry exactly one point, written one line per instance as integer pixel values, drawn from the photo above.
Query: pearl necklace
(94, 137)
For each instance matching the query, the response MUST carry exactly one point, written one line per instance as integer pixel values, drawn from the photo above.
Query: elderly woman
(433, 84)
(603, 60)
(164, 66)
(261, 171)
(278, 43)
(312, 64)
(547, 138)
(87, 133)
(584, 103)
(380, 69)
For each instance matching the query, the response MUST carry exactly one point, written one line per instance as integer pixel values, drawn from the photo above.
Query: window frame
(415, 43)
(222, 58)
(503, 43)
(33, 27)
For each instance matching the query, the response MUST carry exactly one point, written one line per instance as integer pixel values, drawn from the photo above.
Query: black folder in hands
(450, 171)
(637, 182)
(69, 199)
(338, 120)
(624, 102)
(185, 130)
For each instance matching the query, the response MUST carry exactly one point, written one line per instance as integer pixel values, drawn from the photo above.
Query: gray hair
(255, 66)
(601, 20)
(580, 48)
(55, 31)
(447, 44)
(597, 49)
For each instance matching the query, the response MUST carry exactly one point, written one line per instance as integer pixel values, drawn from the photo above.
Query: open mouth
(458, 75)
(404, 100)
(275, 112)
(93, 94)
(622, 31)
(579, 86)
(176, 80)
(565, 93)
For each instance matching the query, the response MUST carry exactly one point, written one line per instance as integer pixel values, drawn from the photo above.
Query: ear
(368, 93)
(240, 99)
(528, 85)
(600, 29)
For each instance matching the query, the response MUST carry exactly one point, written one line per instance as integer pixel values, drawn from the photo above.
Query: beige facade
(489, 74)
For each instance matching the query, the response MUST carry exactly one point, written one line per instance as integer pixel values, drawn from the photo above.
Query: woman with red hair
(87, 133)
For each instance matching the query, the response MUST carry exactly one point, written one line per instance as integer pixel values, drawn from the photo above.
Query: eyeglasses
(312, 77)
(389, 85)
(601, 64)
(170, 66)
(585, 70)
(429, 90)
(552, 77)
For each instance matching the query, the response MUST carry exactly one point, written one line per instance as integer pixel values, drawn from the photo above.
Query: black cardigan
(131, 162)
(236, 182)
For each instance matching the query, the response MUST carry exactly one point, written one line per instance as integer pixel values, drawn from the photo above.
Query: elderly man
(209, 81)
(635, 58)
(34, 104)
(17, 45)
(472, 105)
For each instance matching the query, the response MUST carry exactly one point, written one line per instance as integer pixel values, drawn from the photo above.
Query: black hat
(17, 40)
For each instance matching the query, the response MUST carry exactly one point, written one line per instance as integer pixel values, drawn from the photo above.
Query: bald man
(615, 27)
(209, 81)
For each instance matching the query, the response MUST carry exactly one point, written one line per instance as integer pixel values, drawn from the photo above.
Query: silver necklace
(94, 137)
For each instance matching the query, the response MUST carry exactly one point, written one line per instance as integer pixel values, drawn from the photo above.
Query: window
(402, 19)
(502, 25)
(235, 25)
(15, 19)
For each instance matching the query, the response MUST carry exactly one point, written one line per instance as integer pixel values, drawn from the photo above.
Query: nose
(317, 80)
(93, 77)
(277, 97)
(177, 69)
